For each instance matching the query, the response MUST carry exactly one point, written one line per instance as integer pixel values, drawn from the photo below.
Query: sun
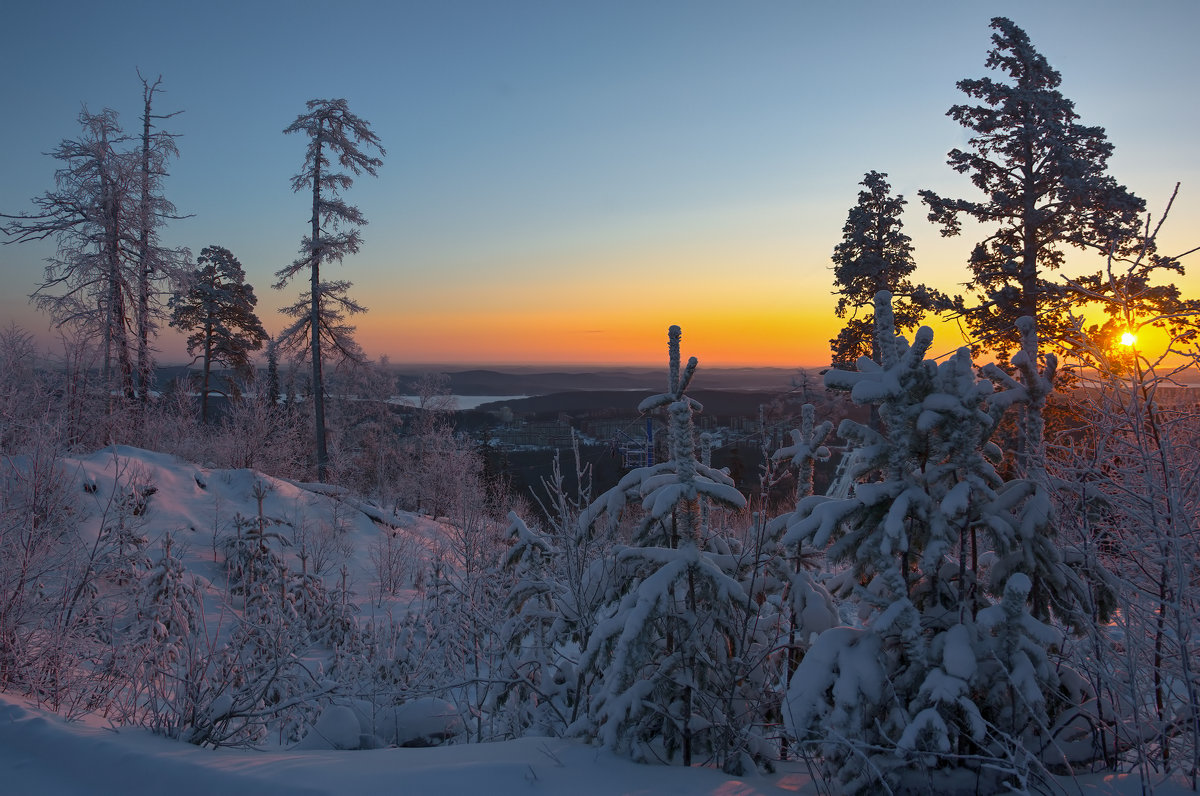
(1128, 338)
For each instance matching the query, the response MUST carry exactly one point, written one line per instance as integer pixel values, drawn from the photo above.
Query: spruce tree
(320, 313)
(165, 638)
(874, 255)
(952, 571)
(668, 649)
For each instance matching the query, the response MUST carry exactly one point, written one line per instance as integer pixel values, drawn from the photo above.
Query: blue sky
(566, 179)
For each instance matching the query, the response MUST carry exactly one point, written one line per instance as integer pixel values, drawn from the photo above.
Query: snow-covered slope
(199, 505)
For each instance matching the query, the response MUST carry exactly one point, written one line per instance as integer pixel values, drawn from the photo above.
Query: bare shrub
(392, 556)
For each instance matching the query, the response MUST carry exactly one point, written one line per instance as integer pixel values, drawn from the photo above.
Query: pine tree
(218, 308)
(1043, 174)
(537, 695)
(320, 313)
(874, 255)
(166, 633)
(810, 607)
(263, 678)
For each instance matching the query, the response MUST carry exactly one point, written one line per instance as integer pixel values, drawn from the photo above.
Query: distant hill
(717, 403)
(524, 382)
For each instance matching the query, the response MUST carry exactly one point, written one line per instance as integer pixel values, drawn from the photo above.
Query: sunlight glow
(1128, 338)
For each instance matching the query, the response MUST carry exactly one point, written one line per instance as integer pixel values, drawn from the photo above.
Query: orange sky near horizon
(719, 339)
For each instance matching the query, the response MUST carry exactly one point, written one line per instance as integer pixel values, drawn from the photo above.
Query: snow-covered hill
(199, 506)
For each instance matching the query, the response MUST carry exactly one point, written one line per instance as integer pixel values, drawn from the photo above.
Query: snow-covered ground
(45, 755)
(42, 754)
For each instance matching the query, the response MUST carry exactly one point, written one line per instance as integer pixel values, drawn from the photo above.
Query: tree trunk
(207, 365)
(144, 265)
(117, 318)
(315, 321)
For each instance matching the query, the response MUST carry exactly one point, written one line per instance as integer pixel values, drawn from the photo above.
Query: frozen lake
(463, 402)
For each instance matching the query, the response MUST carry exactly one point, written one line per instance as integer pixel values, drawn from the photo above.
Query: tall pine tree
(1043, 175)
(320, 313)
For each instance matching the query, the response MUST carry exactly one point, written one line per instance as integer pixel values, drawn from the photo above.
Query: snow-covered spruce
(669, 649)
(935, 680)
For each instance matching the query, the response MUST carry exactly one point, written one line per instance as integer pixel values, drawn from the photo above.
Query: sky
(564, 180)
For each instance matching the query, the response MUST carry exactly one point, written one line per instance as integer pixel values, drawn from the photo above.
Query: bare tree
(154, 261)
(88, 283)
(1132, 504)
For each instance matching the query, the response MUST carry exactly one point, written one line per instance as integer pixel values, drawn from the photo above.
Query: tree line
(112, 280)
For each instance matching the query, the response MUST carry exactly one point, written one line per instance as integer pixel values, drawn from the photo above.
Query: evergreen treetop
(874, 255)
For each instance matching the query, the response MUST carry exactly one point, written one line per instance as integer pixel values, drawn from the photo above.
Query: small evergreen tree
(218, 310)
(166, 634)
(930, 536)
(667, 647)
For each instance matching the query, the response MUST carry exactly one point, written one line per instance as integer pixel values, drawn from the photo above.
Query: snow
(958, 658)
(337, 728)
(43, 754)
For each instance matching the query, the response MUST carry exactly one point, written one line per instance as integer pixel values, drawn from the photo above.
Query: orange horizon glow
(731, 340)
(753, 340)
(798, 339)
